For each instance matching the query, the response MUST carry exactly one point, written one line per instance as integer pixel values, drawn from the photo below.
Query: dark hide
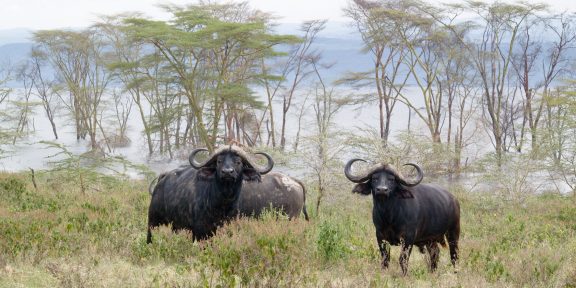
(423, 215)
(277, 191)
(199, 200)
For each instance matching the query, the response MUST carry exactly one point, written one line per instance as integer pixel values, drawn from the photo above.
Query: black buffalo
(408, 214)
(203, 198)
(277, 191)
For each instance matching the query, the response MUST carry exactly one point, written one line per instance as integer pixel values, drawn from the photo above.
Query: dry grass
(59, 236)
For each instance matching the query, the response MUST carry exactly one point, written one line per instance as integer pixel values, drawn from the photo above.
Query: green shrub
(329, 242)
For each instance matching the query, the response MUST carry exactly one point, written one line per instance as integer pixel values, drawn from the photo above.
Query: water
(32, 153)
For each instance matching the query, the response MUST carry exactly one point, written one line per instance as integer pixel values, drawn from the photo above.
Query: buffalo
(276, 191)
(203, 198)
(406, 213)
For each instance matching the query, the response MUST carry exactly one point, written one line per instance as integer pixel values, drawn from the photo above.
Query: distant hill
(14, 53)
(339, 46)
(17, 35)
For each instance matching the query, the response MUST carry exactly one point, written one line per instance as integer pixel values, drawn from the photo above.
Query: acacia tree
(492, 53)
(459, 88)
(537, 66)
(555, 63)
(524, 64)
(560, 132)
(211, 49)
(129, 68)
(46, 87)
(378, 31)
(285, 76)
(153, 87)
(297, 68)
(79, 61)
(424, 43)
(4, 93)
(22, 105)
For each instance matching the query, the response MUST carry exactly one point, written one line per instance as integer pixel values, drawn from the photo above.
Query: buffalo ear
(404, 193)
(250, 174)
(206, 173)
(363, 188)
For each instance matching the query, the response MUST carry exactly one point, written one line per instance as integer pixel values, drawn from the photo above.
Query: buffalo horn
(269, 166)
(355, 179)
(418, 179)
(192, 159)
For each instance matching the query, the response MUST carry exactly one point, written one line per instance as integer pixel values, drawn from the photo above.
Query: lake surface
(31, 153)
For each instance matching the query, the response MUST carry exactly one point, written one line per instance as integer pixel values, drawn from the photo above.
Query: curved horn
(269, 166)
(418, 179)
(193, 162)
(153, 185)
(347, 172)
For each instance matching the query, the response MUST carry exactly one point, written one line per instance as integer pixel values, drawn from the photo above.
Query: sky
(57, 14)
(60, 14)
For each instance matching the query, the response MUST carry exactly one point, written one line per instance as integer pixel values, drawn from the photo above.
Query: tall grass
(57, 236)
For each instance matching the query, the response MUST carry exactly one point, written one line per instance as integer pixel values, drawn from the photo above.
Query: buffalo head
(229, 164)
(381, 179)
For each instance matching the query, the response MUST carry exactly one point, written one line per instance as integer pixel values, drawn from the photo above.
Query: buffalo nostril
(382, 190)
(228, 170)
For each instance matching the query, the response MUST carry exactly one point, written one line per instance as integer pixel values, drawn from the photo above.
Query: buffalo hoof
(384, 265)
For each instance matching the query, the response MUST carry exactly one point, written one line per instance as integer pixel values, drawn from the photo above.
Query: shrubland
(56, 234)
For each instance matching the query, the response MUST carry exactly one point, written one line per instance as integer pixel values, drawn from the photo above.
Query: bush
(330, 241)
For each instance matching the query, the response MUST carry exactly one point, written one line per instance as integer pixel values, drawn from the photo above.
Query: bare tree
(23, 107)
(378, 32)
(297, 69)
(555, 64)
(4, 91)
(492, 55)
(325, 142)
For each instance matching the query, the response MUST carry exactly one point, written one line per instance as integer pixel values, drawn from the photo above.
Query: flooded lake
(31, 152)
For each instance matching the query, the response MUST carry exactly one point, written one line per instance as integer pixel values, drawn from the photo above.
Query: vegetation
(56, 235)
(493, 95)
(210, 75)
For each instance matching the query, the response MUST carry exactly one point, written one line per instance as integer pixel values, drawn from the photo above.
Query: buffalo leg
(434, 252)
(404, 256)
(453, 237)
(384, 250)
(151, 224)
(149, 235)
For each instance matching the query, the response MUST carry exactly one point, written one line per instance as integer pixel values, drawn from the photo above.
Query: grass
(60, 236)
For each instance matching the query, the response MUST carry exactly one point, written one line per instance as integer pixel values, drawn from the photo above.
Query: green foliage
(92, 168)
(209, 53)
(330, 241)
(15, 192)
